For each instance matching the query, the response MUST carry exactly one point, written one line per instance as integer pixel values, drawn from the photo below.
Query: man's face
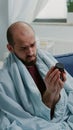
(25, 47)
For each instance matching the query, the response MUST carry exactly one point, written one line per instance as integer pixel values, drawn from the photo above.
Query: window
(54, 11)
(70, 5)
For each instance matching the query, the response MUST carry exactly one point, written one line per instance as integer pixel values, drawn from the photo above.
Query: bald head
(17, 29)
(22, 42)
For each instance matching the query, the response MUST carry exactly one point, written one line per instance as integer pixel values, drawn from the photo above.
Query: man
(31, 90)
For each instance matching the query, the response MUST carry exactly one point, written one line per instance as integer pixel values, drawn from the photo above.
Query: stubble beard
(30, 63)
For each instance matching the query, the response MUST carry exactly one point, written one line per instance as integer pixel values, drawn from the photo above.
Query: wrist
(48, 99)
(57, 98)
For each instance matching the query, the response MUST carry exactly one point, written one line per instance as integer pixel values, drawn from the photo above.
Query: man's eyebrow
(26, 45)
(23, 46)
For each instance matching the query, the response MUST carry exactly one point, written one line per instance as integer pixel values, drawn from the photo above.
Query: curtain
(24, 10)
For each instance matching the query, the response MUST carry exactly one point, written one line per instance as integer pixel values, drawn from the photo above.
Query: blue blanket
(21, 106)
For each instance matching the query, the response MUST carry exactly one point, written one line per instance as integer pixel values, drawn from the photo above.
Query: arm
(53, 87)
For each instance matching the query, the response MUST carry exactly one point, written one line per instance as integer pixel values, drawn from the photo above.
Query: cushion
(67, 60)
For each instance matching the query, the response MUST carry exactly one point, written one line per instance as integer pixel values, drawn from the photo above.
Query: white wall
(3, 26)
(61, 34)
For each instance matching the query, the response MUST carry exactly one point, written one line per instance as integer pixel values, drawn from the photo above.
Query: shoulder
(46, 55)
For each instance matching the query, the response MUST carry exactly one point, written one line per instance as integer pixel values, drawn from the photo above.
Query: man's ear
(10, 47)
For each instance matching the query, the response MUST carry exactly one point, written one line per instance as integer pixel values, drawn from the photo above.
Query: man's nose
(30, 51)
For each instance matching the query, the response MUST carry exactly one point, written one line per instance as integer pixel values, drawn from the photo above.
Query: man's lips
(30, 57)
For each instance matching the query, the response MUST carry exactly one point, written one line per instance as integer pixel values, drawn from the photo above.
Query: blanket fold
(21, 102)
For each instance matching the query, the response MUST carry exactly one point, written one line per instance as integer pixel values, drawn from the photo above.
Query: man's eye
(32, 45)
(22, 49)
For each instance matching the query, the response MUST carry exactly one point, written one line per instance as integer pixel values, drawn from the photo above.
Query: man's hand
(53, 87)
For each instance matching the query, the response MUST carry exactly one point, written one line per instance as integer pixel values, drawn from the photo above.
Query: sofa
(67, 60)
